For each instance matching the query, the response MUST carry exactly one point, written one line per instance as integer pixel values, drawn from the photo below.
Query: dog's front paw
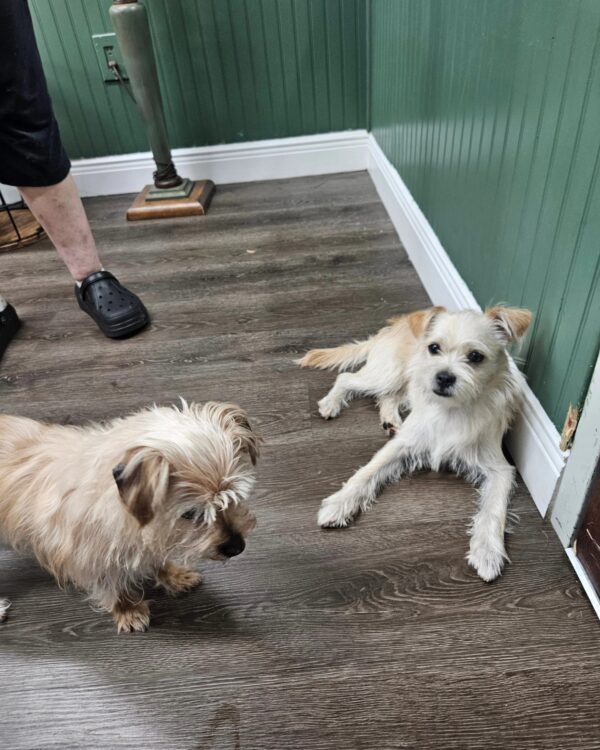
(176, 580)
(336, 512)
(134, 619)
(487, 560)
(328, 408)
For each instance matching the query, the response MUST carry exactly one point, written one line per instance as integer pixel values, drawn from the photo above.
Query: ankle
(79, 280)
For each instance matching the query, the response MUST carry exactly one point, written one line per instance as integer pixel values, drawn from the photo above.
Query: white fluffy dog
(451, 371)
(142, 499)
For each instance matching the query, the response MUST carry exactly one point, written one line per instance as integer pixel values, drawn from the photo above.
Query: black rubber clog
(116, 311)
(9, 325)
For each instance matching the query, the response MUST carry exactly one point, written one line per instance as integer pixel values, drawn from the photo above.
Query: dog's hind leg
(176, 580)
(361, 489)
(346, 386)
(389, 411)
(486, 552)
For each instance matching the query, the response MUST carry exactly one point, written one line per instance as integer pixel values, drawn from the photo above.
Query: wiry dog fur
(144, 498)
(452, 373)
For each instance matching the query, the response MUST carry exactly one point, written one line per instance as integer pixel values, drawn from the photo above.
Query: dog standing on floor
(144, 498)
(452, 372)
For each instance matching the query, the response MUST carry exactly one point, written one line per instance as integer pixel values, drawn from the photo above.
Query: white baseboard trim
(584, 580)
(279, 158)
(534, 440)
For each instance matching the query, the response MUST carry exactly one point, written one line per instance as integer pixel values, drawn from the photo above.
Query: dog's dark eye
(434, 348)
(475, 357)
(189, 515)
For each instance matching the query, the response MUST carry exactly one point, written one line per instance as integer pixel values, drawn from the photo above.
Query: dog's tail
(339, 358)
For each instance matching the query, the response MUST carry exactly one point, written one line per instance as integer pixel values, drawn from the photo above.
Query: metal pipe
(130, 22)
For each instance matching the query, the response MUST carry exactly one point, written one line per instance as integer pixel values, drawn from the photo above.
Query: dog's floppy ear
(240, 425)
(420, 320)
(142, 480)
(509, 322)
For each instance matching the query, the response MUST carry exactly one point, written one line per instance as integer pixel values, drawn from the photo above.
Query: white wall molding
(274, 159)
(534, 440)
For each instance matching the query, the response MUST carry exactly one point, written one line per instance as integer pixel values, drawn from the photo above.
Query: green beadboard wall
(490, 111)
(230, 70)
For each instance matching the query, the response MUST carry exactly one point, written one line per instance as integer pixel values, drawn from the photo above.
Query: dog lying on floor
(451, 371)
(144, 498)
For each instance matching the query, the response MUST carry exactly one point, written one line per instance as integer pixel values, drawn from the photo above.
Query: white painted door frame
(572, 491)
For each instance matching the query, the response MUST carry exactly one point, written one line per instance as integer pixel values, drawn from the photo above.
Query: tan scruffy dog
(144, 498)
(451, 371)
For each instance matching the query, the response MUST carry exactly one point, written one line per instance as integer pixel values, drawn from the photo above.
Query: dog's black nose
(235, 545)
(445, 379)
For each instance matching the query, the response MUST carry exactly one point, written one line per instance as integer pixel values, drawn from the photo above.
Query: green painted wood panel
(490, 111)
(230, 70)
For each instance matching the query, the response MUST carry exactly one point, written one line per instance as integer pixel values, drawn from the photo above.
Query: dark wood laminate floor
(374, 637)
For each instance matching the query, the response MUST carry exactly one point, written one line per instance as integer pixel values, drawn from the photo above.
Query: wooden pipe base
(196, 204)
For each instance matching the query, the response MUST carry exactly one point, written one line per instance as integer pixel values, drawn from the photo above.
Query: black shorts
(31, 151)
